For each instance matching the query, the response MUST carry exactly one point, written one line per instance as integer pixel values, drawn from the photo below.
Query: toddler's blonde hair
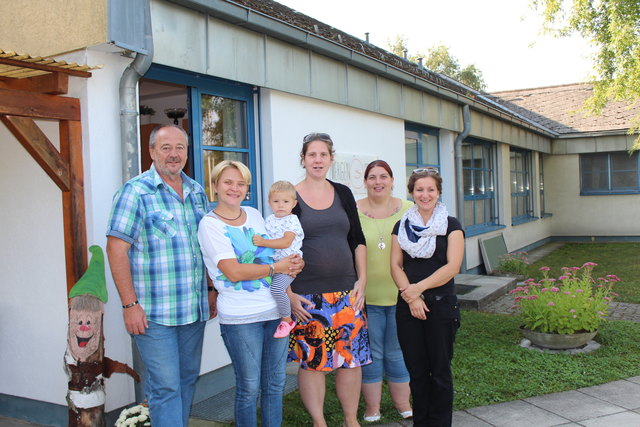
(283, 186)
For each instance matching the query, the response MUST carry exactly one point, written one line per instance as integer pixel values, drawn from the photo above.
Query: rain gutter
(129, 103)
(457, 147)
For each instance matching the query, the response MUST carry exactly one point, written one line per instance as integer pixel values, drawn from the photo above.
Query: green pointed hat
(93, 280)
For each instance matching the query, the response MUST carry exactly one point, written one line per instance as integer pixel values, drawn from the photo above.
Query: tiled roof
(559, 108)
(20, 66)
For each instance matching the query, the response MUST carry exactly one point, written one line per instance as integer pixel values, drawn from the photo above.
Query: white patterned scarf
(417, 240)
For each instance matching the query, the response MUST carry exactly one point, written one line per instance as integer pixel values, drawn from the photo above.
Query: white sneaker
(372, 418)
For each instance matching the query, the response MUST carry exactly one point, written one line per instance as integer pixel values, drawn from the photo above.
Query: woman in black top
(426, 253)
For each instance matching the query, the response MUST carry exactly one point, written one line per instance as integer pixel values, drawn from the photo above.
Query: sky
(501, 37)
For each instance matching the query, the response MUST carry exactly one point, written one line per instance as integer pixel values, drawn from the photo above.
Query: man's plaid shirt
(166, 264)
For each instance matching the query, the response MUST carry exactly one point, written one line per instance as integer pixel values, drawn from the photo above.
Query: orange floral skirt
(335, 337)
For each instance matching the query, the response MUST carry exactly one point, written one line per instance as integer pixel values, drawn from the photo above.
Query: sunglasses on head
(316, 136)
(425, 170)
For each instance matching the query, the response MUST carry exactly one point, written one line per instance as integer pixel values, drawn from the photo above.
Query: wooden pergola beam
(41, 149)
(75, 230)
(38, 105)
(52, 83)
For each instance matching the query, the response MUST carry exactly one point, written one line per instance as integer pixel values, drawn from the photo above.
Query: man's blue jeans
(171, 357)
(259, 362)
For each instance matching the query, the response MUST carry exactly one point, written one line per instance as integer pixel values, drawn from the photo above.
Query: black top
(418, 269)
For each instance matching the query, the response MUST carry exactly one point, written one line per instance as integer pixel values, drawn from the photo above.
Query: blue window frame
(609, 173)
(478, 170)
(421, 147)
(520, 177)
(221, 125)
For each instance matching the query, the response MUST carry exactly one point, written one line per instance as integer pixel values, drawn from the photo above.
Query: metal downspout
(466, 120)
(129, 103)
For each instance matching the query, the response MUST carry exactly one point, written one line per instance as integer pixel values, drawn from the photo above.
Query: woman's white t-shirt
(246, 301)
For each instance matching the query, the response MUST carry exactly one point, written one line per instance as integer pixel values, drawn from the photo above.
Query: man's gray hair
(152, 137)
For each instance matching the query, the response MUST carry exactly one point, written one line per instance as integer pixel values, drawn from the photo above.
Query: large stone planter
(558, 341)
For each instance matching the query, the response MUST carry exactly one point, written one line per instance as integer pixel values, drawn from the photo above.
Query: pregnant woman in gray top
(331, 331)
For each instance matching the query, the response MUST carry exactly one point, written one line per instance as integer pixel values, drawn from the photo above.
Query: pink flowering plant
(574, 302)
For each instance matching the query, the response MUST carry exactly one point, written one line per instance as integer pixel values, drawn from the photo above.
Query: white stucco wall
(33, 307)
(287, 118)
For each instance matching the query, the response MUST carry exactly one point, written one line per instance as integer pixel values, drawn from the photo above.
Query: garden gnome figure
(84, 359)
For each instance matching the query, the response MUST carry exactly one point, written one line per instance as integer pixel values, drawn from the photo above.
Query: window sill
(523, 220)
(609, 193)
(474, 230)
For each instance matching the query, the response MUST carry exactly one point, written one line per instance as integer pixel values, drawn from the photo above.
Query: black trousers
(427, 347)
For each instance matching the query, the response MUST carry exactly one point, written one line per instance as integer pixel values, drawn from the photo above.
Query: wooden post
(75, 234)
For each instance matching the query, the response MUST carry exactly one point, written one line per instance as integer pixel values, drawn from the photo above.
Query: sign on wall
(348, 169)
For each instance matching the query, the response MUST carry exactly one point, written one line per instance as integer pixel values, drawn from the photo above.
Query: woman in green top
(379, 212)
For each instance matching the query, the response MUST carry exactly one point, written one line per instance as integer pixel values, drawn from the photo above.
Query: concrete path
(615, 404)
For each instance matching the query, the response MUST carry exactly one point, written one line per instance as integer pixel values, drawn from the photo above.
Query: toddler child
(285, 236)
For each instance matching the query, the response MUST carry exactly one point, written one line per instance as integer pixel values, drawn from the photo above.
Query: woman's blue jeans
(171, 357)
(259, 362)
(385, 349)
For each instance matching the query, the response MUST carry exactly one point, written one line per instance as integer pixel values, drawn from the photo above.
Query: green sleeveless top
(381, 290)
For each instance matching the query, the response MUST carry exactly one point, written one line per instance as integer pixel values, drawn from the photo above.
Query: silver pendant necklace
(381, 244)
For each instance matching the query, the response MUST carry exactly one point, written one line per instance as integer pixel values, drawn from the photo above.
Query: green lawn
(489, 366)
(621, 259)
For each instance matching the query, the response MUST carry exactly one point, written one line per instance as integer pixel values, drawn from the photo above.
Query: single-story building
(248, 79)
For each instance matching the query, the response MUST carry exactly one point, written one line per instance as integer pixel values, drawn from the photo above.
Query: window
(223, 127)
(421, 147)
(479, 190)
(520, 177)
(220, 121)
(609, 173)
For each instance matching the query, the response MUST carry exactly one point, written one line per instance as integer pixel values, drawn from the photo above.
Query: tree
(440, 60)
(613, 28)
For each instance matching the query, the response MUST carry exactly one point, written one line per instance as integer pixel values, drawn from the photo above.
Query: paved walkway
(615, 404)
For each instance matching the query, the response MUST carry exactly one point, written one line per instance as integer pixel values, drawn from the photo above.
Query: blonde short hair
(220, 167)
(283, 186)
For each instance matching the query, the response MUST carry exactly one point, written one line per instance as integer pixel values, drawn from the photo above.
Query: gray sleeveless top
(328, 262)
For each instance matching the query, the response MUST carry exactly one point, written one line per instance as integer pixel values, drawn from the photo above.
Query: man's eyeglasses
(425, 170)
(316, 136)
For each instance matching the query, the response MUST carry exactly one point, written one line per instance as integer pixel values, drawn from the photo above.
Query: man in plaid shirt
(155, 260)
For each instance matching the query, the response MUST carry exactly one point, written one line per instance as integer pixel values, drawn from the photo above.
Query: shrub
(574, 302)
